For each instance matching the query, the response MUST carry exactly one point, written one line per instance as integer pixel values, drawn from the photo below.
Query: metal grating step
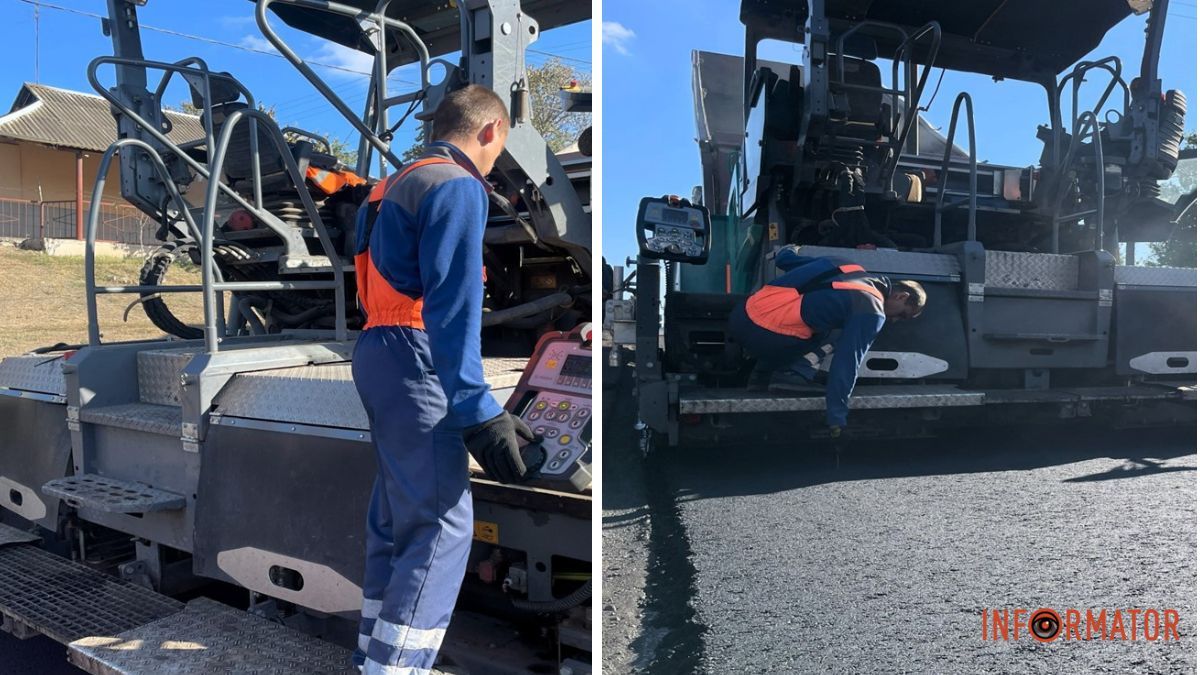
(148, 417)
(208, 637)
(12, 535)
(865, 398)
(112, 495)
(67, 601)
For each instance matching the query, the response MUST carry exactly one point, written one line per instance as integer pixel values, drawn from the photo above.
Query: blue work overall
(418, 371)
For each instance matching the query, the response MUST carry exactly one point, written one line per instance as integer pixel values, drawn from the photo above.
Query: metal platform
(112, 495)
(323, 395)
(208, 637)
(865, 398)
(68, 601)
(33, 373)
(147, 417)
(12, 535)
(158, 374)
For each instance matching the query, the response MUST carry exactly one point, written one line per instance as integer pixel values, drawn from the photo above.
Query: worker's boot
(793, 382)
(760, 380)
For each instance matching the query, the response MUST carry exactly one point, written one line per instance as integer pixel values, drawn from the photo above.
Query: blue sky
(68, 41)
(649, 133)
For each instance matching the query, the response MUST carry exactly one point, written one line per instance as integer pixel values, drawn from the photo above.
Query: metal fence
(56, 220)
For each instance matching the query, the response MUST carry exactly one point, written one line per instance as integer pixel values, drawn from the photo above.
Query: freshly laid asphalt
(883, 557)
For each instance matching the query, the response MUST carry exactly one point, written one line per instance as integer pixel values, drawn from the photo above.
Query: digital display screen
(675, 216)
(576, 366)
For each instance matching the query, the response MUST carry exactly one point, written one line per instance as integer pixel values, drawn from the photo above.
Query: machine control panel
(671, 228)
(554, 397)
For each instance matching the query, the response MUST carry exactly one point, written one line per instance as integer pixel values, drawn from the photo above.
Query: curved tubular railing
(211, 288)
(93, 220)
(266, 216)
(1112, 64)
(353, 12)
(1093, 130)
(302, 133)
(904, 51)
(940, 206)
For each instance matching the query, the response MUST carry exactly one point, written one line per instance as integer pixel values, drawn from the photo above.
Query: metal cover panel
(1044, 271)
(41, 373)
(1182, 277)
(112, 495)
(208, 637)
(67, 601)
(891, 261)
(154, 419)
(323, 395)
(865, 398)
(12, 535)
(158, 374)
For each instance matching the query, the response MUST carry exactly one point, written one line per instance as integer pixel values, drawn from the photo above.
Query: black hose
(559, 605)
(530, 308)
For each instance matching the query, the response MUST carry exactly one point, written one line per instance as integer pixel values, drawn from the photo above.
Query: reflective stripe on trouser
(419, 523)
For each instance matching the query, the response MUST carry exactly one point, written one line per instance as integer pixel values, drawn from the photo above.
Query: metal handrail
(902, 123)
(210, 205)
(1112, 64)
(93, 219)
(1078, 130)
(288, 234)
(379, 82)
(944, 174)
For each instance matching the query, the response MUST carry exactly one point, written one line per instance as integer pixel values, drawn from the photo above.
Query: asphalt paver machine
(1031, 316)
(197, 503)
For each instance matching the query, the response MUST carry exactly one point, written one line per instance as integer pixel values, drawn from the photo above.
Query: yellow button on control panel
(564, 439)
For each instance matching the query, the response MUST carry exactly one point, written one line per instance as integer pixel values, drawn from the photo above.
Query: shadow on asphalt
(750, 470)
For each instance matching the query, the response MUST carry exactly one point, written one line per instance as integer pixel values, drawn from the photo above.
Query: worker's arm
(789, 258)
(451, 218)
(852, 347)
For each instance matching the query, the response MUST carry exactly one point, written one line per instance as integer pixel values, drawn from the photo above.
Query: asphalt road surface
(883, 558)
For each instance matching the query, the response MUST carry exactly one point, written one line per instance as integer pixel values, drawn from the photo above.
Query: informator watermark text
(1048, 625)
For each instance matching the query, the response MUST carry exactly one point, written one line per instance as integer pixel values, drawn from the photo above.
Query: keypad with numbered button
(564, 422)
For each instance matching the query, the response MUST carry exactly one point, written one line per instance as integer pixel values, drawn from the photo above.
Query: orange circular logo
(1045, 625)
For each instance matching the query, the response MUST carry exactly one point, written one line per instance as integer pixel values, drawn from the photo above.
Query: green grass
(42, 300)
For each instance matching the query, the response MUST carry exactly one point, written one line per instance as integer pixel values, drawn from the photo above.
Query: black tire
(154, 272)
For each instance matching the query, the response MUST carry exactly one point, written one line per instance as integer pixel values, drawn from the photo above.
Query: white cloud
(617, 36)
(258, 43)
(334, 54)
(239, 21)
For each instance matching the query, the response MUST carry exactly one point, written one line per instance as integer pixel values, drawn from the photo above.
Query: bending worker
(789, 324)
(418, 370)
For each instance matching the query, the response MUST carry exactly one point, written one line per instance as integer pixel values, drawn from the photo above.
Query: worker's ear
(491, 132)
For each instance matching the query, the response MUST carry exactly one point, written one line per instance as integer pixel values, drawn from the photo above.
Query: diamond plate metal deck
(322, 395)
(208, 637)
(112, 495)
(39, 373)
(148, 417)
(158, 374)
(887, 261)
(67, 601)
(1041, 271)
(865, 398)
(1181, 277)
(12, 535)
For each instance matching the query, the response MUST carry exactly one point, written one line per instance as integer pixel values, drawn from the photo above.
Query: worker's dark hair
(916, 293)
(463, 112)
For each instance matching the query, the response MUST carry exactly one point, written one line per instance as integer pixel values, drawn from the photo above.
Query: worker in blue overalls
(817, 307)
(418, 370)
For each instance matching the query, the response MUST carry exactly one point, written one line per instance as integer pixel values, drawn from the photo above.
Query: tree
(1179, 250)
(558, 127)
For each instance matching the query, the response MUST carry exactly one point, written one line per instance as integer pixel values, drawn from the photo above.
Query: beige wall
(30, 172)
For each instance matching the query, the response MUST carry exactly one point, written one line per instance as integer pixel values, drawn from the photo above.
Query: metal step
(158, 374)
(12, 535)
(208, 637)
(148, 417)
(66, 601)
(700, 401)
(112, 495)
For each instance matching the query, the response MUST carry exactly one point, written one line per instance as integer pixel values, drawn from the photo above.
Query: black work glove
(494, 444)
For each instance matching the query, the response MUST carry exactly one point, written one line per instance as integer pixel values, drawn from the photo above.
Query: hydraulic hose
(558, 605)
(502, 316)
